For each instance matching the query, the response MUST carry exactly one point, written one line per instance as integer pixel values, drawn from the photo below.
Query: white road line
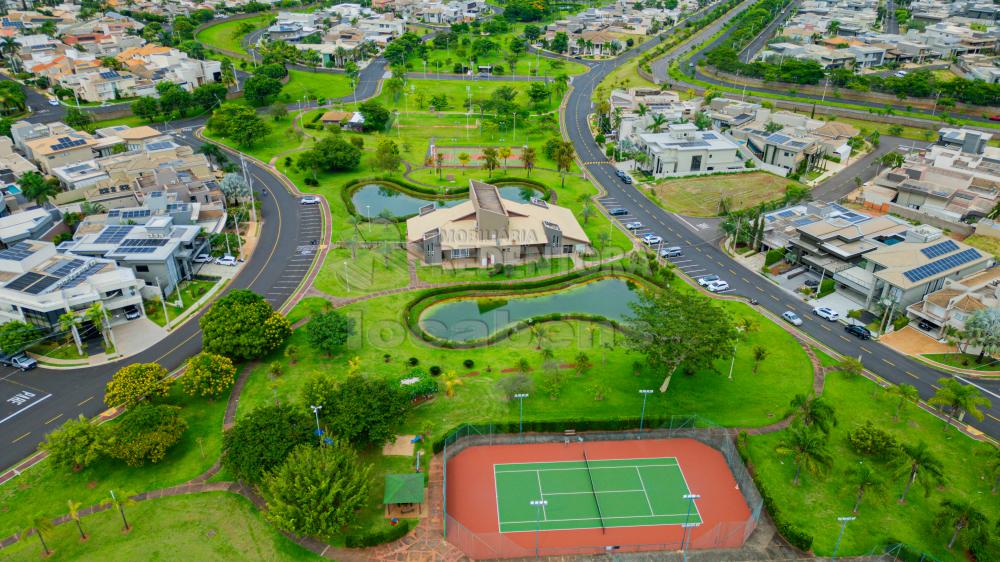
(35, 403)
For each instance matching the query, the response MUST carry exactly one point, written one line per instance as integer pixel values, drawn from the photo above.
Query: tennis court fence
(724, 534)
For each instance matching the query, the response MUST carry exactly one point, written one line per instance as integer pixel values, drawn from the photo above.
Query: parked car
(132, 313)
(651, 239)
(811, 283)
(19, 361)
(718, 286)
(900, 74)
(671, 252)
(826, 312)
(618, 211)
(704, 281)
(202, 258)
(636, 225)
(859, 331)
(620, 173)
(310, 200)
(994, 117)
(791, 318)
(925, 325)
(226, 260)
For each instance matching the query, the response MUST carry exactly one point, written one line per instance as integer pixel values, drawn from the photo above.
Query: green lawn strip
(815, 505)
(191, 291)
(57, 349)
(825, 359)
(965, 361)
(222, 36)
(456, 92)
(44, 489)
(984, 243)
(208, 526)
(446, 274)
(315, 85)
(345, 276)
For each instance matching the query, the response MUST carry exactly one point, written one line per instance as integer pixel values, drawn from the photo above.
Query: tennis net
(593, 489)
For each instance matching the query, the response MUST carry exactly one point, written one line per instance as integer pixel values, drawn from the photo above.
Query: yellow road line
(85, 401)
(21, 437)
(890, 363)
(53, 419)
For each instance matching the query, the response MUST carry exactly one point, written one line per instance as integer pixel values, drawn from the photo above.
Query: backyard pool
(371, 199)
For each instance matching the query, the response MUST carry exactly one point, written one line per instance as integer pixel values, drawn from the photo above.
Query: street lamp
(368, 215)
(685, 538)
(645, 394)
(843, 527)
(319, 432)
(520, 398)
(539, 504)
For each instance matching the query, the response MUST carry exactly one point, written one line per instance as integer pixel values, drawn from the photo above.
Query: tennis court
(592, 494)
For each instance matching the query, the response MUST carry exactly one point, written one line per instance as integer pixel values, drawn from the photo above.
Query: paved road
(891, 25)
(703, 257)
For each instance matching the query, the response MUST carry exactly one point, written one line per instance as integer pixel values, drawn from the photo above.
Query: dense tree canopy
(239, 123)
(261, 440)
(242, 325)
(134, 382)
(208, 374)
(329, 331)
(259, 90)
(76, 444)
(376, 116)
(357, 409)
(16, 335)
(144, 433)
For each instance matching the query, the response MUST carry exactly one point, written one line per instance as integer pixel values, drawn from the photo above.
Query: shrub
(773, 256)
(435, 370)
(423, 388)
(357, 409)
(872, 441)
(900, 323)
(261, 440)
(826, 287)
(208, 375)
(468, 363)
(135, 382)
(413, 361)
(145, 433)
(377, 537)
(76, 444)
(515, 384)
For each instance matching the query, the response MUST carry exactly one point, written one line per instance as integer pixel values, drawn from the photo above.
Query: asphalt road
(703, 257)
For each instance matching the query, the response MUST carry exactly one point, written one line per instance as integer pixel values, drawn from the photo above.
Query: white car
(718, 286)
(900, 74)
(707, 280)
(672, 252)
(634, 225)
(53, 102)
(226, 260)
(310, 200)
(651, 239)
(202, 258)
(792, 318)
(826, 312)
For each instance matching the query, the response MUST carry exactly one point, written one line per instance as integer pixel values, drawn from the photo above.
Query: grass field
(965, 361)
(700, 196)
(344, 276)
(315, 85)
(191, 291)
(985, 243)
(591, 494)
(209, 526)
(222, 35)
(457, 93)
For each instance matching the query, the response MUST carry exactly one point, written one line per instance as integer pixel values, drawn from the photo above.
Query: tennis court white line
(585, 468)
(633, 459)
(690, 491)
(541, 494)
(648, 503)
(589, 493)
(597, 518)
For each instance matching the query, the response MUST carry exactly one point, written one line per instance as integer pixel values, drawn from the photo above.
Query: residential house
(957, 300)
(67, 148)
(684, 150)
(156, 63)
(32, 223)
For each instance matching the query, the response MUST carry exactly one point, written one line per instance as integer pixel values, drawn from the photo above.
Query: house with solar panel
(38, 285)
(684, 150)
(68, 148)
(108, 85)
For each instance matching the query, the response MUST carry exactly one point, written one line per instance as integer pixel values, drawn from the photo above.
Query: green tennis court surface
(619, 493)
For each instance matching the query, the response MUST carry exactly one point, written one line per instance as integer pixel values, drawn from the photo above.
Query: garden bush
(826, 287)
(900, 323)
(377, 537)
(413, 361)
(468, 363)
(773, 257)
(435, 370)
(872, 441)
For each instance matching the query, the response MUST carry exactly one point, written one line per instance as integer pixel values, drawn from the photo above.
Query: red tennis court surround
(473, 521)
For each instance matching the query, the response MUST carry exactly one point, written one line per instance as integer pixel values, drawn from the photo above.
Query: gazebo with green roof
(405, 491)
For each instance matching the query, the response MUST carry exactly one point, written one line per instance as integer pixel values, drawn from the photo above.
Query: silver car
(792, 318)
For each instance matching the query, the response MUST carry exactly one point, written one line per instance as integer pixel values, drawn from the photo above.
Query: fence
(723, 534)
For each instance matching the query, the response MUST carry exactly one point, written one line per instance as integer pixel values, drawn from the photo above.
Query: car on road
(618, 211)
(671, 252)
(718, 286)
(900, 74)
(791, 318)
(651, 239)
(627, 179)
(704, 281)
(635, 225)
(310, 200)
(858, 331)
(620, 173)
(202, 258)
(18, 361)
(226, 260)
(53, 102)
(826, 312)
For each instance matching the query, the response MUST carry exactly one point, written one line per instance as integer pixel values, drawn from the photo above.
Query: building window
(142, 268)
(567, 249)
(461, 253)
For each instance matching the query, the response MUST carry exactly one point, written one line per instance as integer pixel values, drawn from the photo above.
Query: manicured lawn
(965, 361)
(221, 34)
(315, 85)
(815, 504)
(344, 276)
(208, 526)
(456, 92)
(445, 274)
(985, 243)
(700, 196)
(44, 489)
(57, 349)
(191, 291)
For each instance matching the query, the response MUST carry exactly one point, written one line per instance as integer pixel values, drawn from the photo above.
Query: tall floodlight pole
(843, 526)
(642, 417)
(520, 417)
(539, 504)
(687, 522)
(319, 432)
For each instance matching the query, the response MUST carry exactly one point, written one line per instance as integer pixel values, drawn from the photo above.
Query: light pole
(520, 417)
(319, 432)
(539, 504)
(368, 215)
(843, 527)
(687, 524)
(645, 394)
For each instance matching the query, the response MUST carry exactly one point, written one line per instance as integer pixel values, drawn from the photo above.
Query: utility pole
(642, 417)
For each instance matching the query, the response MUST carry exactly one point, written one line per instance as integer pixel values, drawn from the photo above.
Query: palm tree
(9, 47)
(540, 334)
(120, 501)
(74, 514)
(759, 354)
(67, 322)
(813, 411)
(439, 161)
(451, 382)
(583, 363)
(504, 152)
(656, 123)
(642, 110)
(547, 354)
(41, 526)
(922, 465)
(960, 515)
(352, 243)
(808, 448)
(906, 393)
(587, 211)
(95, 314)
(564, 159)
(960, 399)
(528, 158)
(864, 479)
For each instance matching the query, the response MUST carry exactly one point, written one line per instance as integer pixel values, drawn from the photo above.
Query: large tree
(260, 90)
(242, 325)
(134, 382)
(337, 154)
(36, 188)
(16, 335)
(959, 399)
(960, 515)
(983, 330)
(318, 490)
(76, 444)
(329, 331)
(814, 412)
(261, 440)
(145, 433)
(387, 156)
(376, 117)
(920, 466)
(358, 409)
(208, 374)
(674, 329)
(808, 449)
(239, 123)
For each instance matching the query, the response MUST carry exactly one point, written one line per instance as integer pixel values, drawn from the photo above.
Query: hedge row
(373, 538)
(795, 536)
(773, 256)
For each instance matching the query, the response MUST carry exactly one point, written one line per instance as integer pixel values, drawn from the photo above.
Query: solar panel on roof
(83, 275)
(786, 214)
(136, 250)
(17, 252)
(940, 249)
(150, 242)
(778, 138)
(24, 280)
(113, 234)
(63, 268)
(139, 213)
(942, 265)
(43, 283)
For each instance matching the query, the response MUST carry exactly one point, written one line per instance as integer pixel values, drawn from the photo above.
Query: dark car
(618, 211)
(626, 179)
(925, 325)
(858, 331)
(811, 283)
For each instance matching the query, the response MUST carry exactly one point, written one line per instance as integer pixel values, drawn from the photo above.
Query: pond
(371, 199)
(479, 317)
